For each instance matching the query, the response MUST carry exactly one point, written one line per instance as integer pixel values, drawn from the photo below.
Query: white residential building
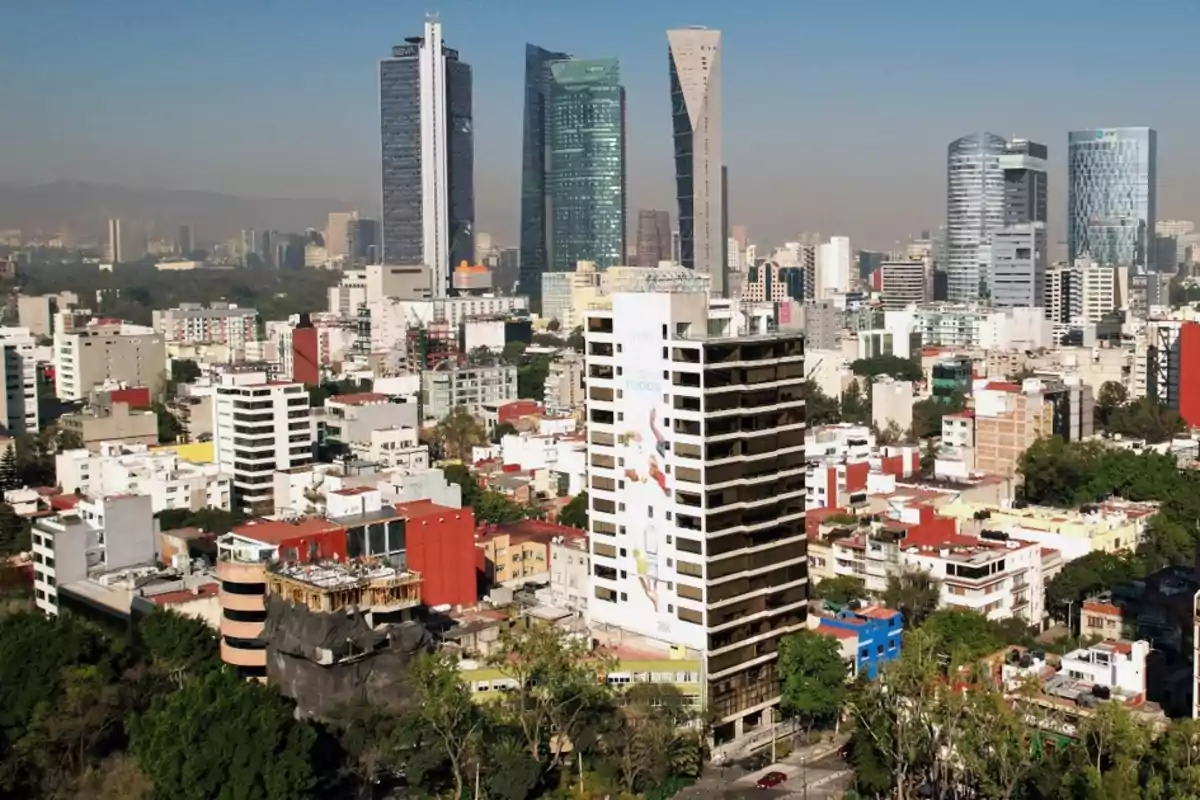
(221, 323)
(449, 386)
(1118, 665)
(170, 481)
(392, 448)
(107, 350)
(19, 409)
(696, 470)
(563, 454)
(259, 427)
(350, 418)
(563, 392)
(95, 537)
(999, 580)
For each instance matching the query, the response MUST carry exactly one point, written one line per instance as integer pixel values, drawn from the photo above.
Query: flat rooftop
(331, 575)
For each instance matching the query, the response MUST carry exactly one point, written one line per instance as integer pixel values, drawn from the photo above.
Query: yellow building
(197, 452)
(1112, 526)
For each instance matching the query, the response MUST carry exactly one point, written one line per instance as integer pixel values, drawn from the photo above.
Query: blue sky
(836, 114)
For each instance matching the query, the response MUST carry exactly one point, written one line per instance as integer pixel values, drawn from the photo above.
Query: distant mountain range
(83, 208)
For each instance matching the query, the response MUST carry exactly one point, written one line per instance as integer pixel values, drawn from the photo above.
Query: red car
(771, 779)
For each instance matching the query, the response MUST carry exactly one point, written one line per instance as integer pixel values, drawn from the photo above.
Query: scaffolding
(329, 587)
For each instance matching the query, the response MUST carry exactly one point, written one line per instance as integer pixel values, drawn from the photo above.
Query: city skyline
(823, 163)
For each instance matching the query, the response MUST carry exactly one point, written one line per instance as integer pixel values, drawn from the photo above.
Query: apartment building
(999, 578)
(696, 452)
(19, 403)
(107, 350)
(117, 423)
(563, 391)
(448, 386)
(392, 448)
(95, 537)
(904, 283)
(221, 323)
(169, 481)
(350, 418)
(260, 426)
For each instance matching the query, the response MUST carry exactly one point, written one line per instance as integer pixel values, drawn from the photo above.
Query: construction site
(369, 587)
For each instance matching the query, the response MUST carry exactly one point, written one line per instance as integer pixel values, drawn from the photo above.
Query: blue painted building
(879, 632)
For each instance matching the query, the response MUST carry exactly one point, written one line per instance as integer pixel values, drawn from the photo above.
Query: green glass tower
(586, 170)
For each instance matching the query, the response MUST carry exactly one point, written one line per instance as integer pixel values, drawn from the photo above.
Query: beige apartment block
(107, 350)
(116, 423)
(1000, 440)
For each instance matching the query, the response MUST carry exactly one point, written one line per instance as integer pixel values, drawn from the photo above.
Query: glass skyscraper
(586, 182)
(1111, 205)
(694, 56)
(974, 211)
(535, 230)
(427, 156)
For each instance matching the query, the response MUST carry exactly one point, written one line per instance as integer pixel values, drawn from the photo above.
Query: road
(825, 776)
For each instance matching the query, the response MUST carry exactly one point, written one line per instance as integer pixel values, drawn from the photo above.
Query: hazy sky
(837, 115)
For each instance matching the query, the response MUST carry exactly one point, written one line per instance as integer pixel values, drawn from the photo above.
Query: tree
(464, 477)
(170, 429)
(221, 736)
(820, 408)
(856, 407)
(915, 593)
(513, 352)
(891, 434)
(1112, 396)
(503, 429)
(813, 677)
(442, 705)
(576, 341)
(10, 477)
(68, 440)
(493, 507)
(646, 743)
(1082, 577)
(553, 326)
(928, 413)
(531, 378)
(459, 432)
(14, 532)
(176, 643)
(184, 370)
(904, 369)
(557, 695)
(839, 590)
(929, 458)
(575, 512)
(964, 635)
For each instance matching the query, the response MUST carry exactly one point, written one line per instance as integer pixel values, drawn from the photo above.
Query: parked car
(770, 780)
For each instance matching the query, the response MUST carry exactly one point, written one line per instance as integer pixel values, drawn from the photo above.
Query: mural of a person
(646, 484)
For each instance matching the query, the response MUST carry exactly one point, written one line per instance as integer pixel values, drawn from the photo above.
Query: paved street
(816, 773)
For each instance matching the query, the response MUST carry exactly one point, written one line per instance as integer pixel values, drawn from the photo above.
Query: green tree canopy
(839, 590)
(813, 675)
(575, 512)
(221, 736)
(458, 433)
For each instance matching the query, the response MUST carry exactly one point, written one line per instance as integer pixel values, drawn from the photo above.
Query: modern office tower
(268, 245)
(249, 244)
(186, 242)
(695, 65)
(115, 253)
(586, 178)
(1184, 233)
(696, 479)
(1112, 182)
(427, 156)
(653, 238)
(1020, 250)
(904, 282)
(974, 210)
(535, 225)
(337, 234)
(833, 268)
(362, 241)
(260, 426)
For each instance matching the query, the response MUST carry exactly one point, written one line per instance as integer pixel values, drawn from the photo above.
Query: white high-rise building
(833, 267)
(695, 414)
(115, 253)
(695, 63)
(19, 403)
(974, 210)
(260, 426)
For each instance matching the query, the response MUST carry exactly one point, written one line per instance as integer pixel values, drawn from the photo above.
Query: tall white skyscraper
(427, 156)
(115, 253)
(974, 211)
(833, 267)
(695, 63)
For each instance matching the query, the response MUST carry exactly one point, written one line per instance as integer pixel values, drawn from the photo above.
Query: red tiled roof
(186, 596)
(351, 491)
(1002, 386)
(837, 633)
(528, 530)
(358, 399)
(63, 502)
(878, 612)
(1101, 608)
(272, 531)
